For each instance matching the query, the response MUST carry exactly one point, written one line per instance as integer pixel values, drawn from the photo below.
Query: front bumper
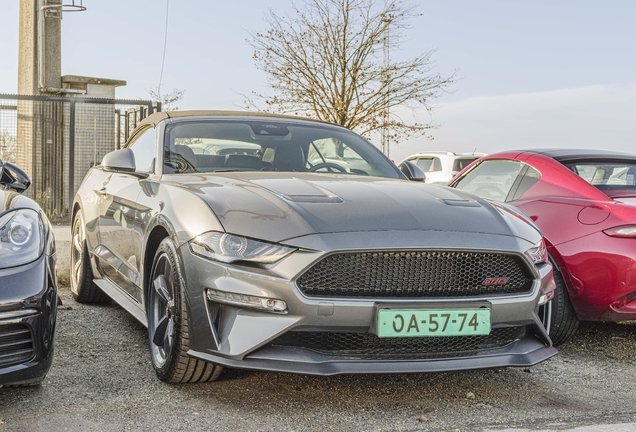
(246, 338)
(28, 307)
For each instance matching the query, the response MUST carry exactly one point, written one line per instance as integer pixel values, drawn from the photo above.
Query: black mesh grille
(415, 274)
(370, 347)
(16, 344)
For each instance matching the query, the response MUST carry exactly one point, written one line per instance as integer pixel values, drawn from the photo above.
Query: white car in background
(441, 166)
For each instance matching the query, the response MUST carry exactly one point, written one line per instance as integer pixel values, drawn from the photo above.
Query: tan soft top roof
(157, 117)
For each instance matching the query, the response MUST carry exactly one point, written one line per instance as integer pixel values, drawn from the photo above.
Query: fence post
(118, 137)
(71, 159)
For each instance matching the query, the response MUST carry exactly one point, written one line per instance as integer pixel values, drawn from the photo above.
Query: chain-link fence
(57, 139)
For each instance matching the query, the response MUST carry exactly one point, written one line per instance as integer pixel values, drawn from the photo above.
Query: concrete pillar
(39, 141)
(44, 137)
(28, 48)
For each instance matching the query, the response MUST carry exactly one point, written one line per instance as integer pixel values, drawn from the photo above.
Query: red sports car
(584, 201)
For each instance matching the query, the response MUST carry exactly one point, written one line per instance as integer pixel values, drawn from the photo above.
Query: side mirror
(412, 171)
(119, 160)
(13, 177)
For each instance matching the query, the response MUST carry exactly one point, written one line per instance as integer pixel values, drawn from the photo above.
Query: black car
(28, 286)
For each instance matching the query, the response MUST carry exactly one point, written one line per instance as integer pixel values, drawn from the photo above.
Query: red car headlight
(624, 231)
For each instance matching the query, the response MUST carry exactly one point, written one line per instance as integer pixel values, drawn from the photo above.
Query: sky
(533, 73)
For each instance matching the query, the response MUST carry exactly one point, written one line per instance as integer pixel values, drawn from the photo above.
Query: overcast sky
(534, 73)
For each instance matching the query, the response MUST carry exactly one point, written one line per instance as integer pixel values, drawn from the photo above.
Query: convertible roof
(565, 155)
(159, 116)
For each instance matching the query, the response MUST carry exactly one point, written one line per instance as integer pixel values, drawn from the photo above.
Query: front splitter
(523, 353)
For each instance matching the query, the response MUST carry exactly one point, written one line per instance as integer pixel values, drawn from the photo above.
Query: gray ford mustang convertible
(277, 243)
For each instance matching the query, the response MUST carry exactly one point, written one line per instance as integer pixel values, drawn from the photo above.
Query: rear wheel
(82, 286)
(558, 315)
(168, 323)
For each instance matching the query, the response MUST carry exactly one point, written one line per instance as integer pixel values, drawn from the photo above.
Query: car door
(121, 216)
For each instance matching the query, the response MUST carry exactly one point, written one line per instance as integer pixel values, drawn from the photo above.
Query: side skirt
(122, 299)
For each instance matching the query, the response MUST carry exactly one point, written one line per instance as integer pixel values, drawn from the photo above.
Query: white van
(441, 166)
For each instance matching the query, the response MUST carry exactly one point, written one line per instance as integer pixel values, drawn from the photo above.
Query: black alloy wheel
(161, 310)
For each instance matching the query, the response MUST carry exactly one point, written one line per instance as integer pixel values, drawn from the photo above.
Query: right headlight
(228, 248)
(538, 253)
(20, 237)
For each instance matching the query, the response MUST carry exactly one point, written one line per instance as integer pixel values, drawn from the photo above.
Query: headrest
(186, 152)
(243, 161)
(289, 157)
(215, 161)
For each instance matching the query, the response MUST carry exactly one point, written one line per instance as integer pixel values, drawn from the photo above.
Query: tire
(558, 315)
(168, 334)
(82, 286)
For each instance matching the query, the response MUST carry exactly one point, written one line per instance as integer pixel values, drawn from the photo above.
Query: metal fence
(57, 139)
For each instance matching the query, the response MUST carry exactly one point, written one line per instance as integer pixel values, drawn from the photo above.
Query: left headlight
(228, 248)
(20, 237)
(538, 253)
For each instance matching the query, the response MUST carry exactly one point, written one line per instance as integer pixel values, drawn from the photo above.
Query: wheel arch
(159, 230)
(76, 208)
(153, 241)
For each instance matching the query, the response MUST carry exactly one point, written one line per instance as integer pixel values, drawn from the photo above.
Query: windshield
(607, 176)
(499, 180)
(257, 145)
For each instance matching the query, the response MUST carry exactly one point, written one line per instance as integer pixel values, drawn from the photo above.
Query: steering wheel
(328, 166)
(179, 163)
(492, 192)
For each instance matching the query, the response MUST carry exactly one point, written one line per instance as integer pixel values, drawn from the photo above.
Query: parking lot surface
(102, 379)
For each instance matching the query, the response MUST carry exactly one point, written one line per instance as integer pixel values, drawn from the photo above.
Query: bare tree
(168, 100)
(325, 60)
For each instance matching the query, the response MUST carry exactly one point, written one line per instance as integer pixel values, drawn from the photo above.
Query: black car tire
(563, 320)
(168, 333)
(82, 286)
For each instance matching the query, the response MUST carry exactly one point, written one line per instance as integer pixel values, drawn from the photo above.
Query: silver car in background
(302, 250)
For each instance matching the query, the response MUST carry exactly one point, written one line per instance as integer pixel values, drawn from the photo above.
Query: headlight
(20, 237)
(624, 231)
(538, 253)
(229, 248)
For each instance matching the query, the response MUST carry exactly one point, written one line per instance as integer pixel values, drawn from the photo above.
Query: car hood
(281, 206)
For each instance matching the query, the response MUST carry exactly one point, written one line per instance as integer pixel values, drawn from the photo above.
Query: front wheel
(168, 323)
(558, 315)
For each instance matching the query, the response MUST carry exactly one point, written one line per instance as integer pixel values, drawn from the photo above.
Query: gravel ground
(102, 379)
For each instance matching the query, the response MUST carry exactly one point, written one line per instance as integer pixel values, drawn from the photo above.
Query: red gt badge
(496, 281)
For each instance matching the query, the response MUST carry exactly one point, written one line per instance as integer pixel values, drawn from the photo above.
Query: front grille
(16, 344)
(415, 274)
(366, 346)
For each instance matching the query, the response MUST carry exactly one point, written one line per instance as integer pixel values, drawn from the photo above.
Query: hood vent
(313, 198)
(460, 203)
